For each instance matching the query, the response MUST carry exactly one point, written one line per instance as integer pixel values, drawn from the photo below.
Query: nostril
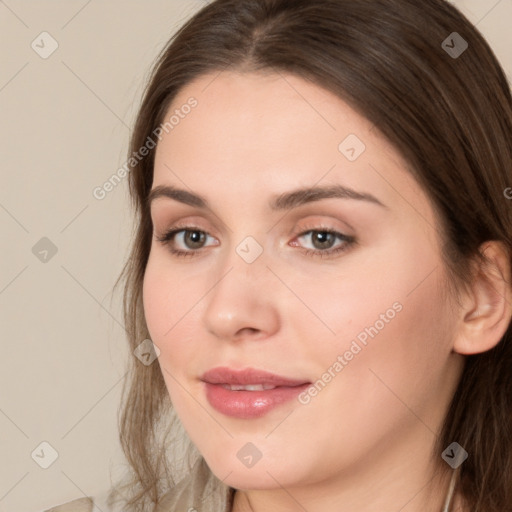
(247, 331)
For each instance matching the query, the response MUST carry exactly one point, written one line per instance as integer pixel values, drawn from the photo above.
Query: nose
(240, 305)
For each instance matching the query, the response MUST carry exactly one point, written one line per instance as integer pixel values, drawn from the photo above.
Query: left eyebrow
(296, 198)
(285, 201)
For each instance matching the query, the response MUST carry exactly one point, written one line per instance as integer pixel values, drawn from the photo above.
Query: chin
(263, 475)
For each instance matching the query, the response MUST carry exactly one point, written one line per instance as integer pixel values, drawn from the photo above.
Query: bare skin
(363, 442)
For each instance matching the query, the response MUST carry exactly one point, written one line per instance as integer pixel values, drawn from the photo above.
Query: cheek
(392, 329)
(396, 362)
(165, 294)
(163, 305)
(360, 304)
(170, 310)
(153, 297)
(157, 294)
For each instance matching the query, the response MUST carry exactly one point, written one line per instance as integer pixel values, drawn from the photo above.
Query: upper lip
(224, 375)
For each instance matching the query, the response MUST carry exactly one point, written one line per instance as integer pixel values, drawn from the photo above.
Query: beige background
(64, 131)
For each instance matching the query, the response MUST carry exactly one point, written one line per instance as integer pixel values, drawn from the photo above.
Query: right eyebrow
(183, 196)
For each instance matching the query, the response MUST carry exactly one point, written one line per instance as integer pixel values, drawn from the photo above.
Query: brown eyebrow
(285, 201)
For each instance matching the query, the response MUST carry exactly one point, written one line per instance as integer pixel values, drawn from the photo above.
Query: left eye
(322, 240)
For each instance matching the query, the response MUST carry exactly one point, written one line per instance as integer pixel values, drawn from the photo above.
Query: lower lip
(249, 404)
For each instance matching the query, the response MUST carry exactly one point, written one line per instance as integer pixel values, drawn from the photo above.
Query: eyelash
(167, 238)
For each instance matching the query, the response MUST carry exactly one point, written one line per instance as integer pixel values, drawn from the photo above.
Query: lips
(223, 375)
(248, 393)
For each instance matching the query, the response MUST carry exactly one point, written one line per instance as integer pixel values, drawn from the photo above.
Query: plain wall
(65, 123)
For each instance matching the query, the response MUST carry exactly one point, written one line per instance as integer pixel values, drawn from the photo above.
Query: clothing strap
(449, 496)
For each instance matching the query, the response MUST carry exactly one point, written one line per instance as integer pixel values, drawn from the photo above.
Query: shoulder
(79, 505)
(99, 502)
(199, 490)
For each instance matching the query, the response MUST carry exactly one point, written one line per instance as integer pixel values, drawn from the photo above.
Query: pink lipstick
(248, 393)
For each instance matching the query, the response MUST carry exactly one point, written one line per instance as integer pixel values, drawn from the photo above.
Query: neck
(396, 493)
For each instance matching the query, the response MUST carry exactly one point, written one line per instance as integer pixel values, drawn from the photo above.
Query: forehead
(242, 111)
(251, 132)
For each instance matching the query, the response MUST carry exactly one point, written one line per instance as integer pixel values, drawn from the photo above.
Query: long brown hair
(449, 115)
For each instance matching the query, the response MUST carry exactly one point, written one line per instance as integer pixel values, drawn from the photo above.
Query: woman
(319, 289)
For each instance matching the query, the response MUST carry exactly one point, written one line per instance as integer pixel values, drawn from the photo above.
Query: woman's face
(357, 319)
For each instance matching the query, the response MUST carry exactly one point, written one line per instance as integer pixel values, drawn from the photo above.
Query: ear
(487, 309)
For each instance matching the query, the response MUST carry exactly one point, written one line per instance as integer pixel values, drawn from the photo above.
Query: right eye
(190, 237)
